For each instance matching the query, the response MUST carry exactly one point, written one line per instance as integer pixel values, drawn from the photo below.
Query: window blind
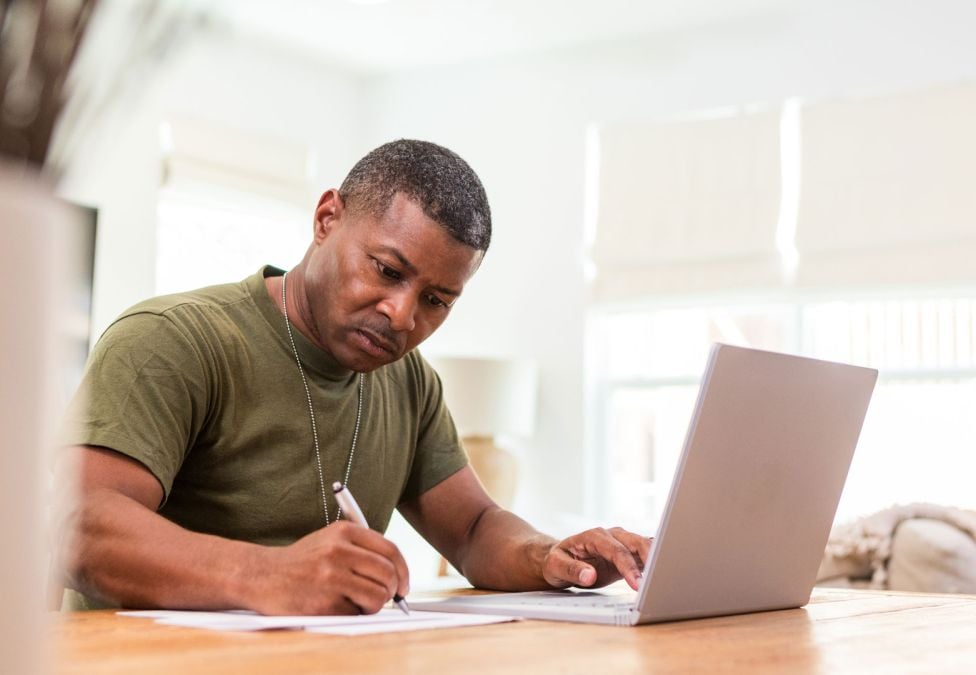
(887, 192)
(687, 206)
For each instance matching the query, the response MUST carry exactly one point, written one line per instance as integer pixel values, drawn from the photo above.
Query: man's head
(435, 178)
(392, 251)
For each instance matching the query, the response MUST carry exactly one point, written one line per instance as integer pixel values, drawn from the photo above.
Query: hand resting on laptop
(597, 557)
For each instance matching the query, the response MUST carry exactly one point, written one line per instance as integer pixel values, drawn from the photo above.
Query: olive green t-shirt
(202, 388)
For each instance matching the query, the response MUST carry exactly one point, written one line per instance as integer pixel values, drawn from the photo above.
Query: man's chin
(360, 362)
(363, 365)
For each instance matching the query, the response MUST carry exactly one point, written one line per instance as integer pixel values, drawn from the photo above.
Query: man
(210, 425)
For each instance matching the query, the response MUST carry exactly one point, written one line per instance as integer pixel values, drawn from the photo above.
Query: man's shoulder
(207, 298)
(212, 314)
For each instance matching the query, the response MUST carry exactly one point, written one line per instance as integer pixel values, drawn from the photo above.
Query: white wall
(521, 123)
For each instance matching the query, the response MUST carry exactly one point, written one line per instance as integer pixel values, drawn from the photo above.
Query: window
(764, 226)
(919, 438)
(231, 201)
(213, 236)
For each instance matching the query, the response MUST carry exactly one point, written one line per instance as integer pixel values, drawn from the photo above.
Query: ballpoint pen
(352, 511)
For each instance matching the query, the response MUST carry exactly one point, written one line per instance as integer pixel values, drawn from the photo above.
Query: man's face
(379, 286)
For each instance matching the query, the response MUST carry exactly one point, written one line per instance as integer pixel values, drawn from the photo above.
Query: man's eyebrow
(402, 258)
(410, 267)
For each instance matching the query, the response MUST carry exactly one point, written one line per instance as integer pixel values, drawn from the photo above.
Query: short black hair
(437, 179)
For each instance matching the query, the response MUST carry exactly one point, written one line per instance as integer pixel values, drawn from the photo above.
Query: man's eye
(389, 272)
(434, 301)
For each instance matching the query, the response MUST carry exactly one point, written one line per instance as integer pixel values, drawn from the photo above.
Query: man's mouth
(374, 344)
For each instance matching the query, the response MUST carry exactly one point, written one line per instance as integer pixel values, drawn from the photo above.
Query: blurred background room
(791, 175)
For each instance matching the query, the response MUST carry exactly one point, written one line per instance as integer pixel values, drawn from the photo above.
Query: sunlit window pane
(918, 444)
(919, 438)
(645, 432)
(213, 237)
(893, 336)
(671, 343)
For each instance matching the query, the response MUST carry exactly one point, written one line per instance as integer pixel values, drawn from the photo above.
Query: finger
(637, 544)
(370, 565)
(383, 547)
(366, 594)
(563, 570)
(605, 545)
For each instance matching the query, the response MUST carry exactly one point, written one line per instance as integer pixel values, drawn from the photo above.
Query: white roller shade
(687, 206)
(888, 192)
(201, 153)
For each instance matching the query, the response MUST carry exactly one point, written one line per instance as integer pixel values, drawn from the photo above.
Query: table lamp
(489, 398)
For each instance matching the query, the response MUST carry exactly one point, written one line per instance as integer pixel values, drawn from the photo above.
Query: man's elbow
(82, 530)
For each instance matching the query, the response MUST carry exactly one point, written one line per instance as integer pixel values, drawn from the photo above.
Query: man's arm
(496, 549)
(116, 547)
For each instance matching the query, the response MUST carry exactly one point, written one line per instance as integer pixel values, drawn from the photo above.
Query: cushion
(932, 556)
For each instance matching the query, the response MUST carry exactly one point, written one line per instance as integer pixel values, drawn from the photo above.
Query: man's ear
(327, 214)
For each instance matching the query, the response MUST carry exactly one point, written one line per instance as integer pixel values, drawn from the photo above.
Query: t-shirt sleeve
(439, 453)
(143, 394)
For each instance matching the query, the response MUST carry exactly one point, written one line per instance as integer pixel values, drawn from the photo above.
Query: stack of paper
(385, 621)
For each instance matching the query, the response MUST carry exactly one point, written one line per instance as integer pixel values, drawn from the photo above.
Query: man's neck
(297, 309)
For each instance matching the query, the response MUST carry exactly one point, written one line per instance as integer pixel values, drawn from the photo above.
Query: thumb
(586, 575)
(564, 569)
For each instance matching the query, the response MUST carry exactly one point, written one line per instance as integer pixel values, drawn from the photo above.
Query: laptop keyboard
(554, 599)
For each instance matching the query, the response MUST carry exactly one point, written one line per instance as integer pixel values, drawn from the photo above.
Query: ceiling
(401, 34)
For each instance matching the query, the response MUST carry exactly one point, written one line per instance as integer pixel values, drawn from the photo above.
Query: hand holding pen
(351, 510)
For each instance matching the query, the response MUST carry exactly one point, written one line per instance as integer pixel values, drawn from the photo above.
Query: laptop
(752, 501)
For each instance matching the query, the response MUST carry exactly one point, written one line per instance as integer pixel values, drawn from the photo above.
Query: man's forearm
(505, 553)
(117, 550)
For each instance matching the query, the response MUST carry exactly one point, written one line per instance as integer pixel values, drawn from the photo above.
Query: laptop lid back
(757, 486)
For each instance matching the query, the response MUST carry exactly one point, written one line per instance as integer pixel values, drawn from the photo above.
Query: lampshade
(489, 397)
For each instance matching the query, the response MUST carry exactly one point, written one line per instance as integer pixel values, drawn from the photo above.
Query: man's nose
(400, 309)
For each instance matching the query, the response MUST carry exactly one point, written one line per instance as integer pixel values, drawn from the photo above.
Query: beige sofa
(914, 547)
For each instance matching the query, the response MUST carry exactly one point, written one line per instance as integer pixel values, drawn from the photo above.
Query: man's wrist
(250, 567)
(537, 551)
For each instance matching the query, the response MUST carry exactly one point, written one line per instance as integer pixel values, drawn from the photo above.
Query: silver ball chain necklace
(311, 411)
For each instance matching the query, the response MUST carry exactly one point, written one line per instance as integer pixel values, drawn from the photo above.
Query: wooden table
(839, 631)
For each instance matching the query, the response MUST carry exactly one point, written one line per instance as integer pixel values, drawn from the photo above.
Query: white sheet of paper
(385, 621)
(416, 621)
